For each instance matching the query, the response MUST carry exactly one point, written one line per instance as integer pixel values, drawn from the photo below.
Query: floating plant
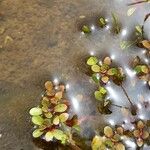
(140, 40)
(51, 119)
(116, 24)
(110, 139)
(104, 71)
(114, 138)
(142, 70)
(141, 133)
(86, 29)
(102, 22)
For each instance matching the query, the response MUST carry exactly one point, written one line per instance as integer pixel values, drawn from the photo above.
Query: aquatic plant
(142, 70)
(104, 71)
(141, 133)
(111, 139)
(114, 138)
(86, 29)
(102, 22)
(51, 118)
(116, 25)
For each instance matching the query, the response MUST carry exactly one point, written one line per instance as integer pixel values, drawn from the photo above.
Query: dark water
(47, 45)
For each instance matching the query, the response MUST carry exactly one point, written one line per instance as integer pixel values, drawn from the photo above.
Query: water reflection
(61, 60)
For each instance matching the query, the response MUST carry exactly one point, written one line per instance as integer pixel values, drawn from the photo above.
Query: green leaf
(97, 143)
(95, 68)
(139, 29)
(112, 71)
(37, 120)
(45, 109)
(116, 24)
(63, 117)
(56, 120)
(98, 95)
(58, 134)
(49, 136)
(86, 29)
(138, 69)
(37, 133)
(144, 69)
(36, 111)
(102, 22)
(48, 115)
(45, 101)
(92, 61)
(95, 78)
(104, 68)
(60, 108)
(103, 91)
(109, 143)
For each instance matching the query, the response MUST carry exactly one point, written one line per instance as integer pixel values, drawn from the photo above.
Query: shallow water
(48, 45)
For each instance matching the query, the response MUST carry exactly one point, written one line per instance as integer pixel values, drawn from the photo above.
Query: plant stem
(119, 106)
(74, 147)
(127, 95)
(139, 2)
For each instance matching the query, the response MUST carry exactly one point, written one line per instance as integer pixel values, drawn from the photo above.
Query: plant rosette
(142, 70)
(141, 133)
(110, 140)
(51, 118)
(103, 71)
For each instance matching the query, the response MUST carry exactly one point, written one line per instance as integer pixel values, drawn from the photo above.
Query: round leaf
(120, 130)
(38, 120)
(120, 146)
(105, 79)
(95, 68)
(49, 86)
(146, 44)
(138, 69)
(145, 135)
(136, 133)
(103, 91)
(49, 136)
(108, 131)
(59, 95)
(140, 124)
(144, 69)
(60, 108)
(98, 95)
(140, 142)
(112, 71)
(56, 120)
(107, 60)
(97, 142)
(36, 111)
(58, 134)
(37, 133)
(64, 117)
(92, 61)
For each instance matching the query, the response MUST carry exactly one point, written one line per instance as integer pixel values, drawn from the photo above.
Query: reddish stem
(139, 2)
